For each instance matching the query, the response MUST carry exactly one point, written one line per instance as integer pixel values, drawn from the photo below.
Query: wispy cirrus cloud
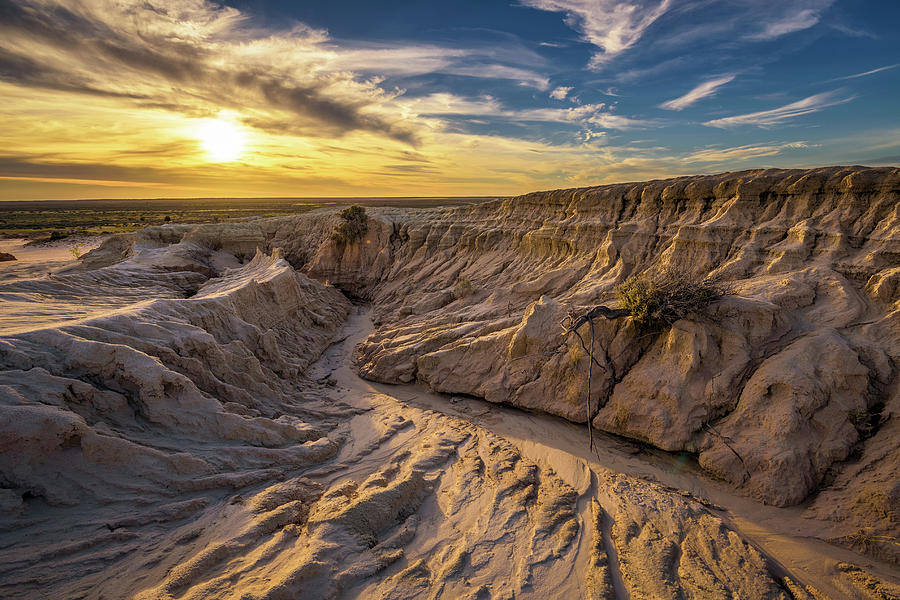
(767, 118)
(739, 153)
(609, 120)
(853, 31)
(504, 58)
(797, 21)
(704, 90)
(611, 25)
(865, 73)
(616, 26)
(445, 104)
(525, 77)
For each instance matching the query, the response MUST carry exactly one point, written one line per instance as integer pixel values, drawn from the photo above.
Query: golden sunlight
(222, 140)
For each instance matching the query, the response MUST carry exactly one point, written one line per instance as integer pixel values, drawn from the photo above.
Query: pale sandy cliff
(797, 368)
(180, 416)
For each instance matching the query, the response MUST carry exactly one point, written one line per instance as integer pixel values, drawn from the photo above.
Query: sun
(222, 140)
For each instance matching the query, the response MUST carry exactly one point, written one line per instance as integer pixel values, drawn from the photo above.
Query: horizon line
(262, 198)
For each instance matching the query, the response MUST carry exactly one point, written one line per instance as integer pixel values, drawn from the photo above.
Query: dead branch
(570, 324)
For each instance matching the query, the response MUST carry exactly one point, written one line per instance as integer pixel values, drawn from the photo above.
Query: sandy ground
(783, 534)
(183, 423)
(41, 260)
(30, 298)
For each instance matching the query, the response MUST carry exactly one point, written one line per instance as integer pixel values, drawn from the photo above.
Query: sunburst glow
(222, 140)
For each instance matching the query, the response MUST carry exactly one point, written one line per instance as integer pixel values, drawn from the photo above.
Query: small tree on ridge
(353, 226)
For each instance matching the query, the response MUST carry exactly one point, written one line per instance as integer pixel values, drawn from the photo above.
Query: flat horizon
(174, 198)
(895, 164)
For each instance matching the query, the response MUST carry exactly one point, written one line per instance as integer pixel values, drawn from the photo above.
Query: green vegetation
(353, 226)
(462, 288)
(865, 421)
(656, 301)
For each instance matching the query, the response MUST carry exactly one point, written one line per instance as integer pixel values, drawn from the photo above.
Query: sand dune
(181, 412)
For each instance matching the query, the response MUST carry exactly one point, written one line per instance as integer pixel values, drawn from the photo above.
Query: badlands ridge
(182, 414)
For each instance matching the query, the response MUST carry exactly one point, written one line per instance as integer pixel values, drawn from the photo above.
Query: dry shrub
(655, 301)
(353, 226)
(462, 288)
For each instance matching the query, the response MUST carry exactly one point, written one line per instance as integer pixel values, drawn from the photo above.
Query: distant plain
(36, 220)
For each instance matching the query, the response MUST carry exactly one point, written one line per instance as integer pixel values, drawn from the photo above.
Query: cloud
(704, 90)
(560, 93)
(796, 22)
(661, 68)
(197, 58)
(525, 77)
(97, 182)
(611, 25)
(852, 31)
(385, 59)
(693, 31)
(195, 54)
(502, 59)
(796, 16)
(884, 160)
(865, 73)
(575, 114)
(25, 167)
(611, 121)
(444, 104)
(103, 93)
(775, 116)
(723, 155)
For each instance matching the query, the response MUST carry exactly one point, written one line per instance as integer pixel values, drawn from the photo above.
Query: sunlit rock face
(164, 435)
(357, 267)
(793, 368)
(174, 422)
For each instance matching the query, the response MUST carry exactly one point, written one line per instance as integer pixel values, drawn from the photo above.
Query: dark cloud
(410, 169)
(883, 160)
(25, 71)
(35, 166)
(48, 169)
(309, 102)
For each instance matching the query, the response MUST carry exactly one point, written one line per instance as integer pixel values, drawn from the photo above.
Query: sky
(188, 98)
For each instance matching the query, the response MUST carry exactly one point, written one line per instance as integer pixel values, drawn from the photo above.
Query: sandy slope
(181, 417)
(40, 260)
(557, 446)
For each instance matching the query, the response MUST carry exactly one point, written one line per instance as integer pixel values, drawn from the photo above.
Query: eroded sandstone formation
(775, 388)
(174, 423)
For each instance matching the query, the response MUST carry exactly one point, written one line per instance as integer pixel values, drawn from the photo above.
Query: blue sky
(403, 97)
(759, 55)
